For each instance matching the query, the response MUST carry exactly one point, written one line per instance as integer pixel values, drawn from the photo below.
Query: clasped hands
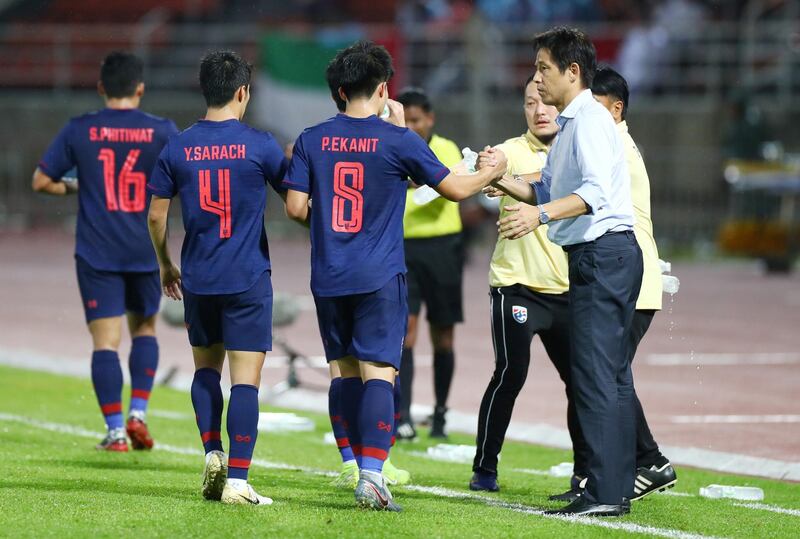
(521, 218)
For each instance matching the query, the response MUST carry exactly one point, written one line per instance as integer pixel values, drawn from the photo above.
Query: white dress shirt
(587, 159)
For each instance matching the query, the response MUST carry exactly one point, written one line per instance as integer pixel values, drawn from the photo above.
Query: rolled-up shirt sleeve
(593, 146)
(542, 187)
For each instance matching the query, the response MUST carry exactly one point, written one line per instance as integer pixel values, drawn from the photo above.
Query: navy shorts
(240, 321)
(370, 327)
(113, 293)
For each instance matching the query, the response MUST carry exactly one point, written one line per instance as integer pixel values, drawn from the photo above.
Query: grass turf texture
(56, 484)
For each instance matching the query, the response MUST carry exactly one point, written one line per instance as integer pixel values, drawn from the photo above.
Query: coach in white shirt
(584, 196)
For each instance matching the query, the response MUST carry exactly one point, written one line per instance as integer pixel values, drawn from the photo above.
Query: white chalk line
(722, 359)
(772, 508)
(735, 419)
(519, 508)
(74, 430)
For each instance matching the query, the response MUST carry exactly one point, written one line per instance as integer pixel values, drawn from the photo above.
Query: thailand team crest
(520, 314)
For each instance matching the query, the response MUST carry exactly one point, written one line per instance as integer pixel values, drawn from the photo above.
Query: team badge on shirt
(520, 314)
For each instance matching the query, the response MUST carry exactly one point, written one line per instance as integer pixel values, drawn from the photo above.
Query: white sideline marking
(769, 418)
(531, 471)
(519, 508)
(778, 358)
(772, 508)
(534, 433)
(438, 491)
(168, 414)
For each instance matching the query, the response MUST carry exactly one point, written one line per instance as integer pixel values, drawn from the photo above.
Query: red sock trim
(208, 436)
(238, 463)
(342, 442)
(375, 453)
(356, 449)
(111, 408)
(140, 394)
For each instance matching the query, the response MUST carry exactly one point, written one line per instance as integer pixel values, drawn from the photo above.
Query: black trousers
(605, 276)
(519, 313)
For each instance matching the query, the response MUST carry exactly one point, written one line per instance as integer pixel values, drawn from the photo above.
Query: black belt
(568, 248)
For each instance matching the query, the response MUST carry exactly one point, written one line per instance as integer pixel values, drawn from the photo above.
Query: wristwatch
(543, 217)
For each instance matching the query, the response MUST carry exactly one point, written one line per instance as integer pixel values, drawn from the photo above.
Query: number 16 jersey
(355, 170)
(220, 171)
(114, 151)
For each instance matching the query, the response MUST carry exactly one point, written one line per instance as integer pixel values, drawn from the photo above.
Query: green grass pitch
(54, 484)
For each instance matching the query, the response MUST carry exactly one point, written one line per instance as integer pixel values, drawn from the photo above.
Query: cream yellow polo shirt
(440, 216)
(650, 293)
(533, 260)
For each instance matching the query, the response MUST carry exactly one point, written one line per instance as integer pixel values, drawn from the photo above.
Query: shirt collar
(534, 143)
(574, 107)
(622, 126)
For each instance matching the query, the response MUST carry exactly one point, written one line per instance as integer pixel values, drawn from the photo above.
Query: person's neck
(122, 103)
(222, 114)
(361, 108)
(569, 96)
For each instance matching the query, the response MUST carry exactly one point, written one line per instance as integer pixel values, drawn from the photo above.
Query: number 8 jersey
(220, 171)
(355, 171)
(114, 151)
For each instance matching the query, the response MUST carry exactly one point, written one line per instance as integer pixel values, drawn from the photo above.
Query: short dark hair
(334, 82)
(359, 69)
(528, 81)
(221, 74)
(608, 82)
(415, 97)
(120, 73)
(568, 46)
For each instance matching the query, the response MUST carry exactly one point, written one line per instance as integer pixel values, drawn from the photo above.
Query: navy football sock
(350, 400)
(207, 402)
(142, 363)
(107, 381)
(337, 422)
(242, 429)
(375, 422)
(398, 399)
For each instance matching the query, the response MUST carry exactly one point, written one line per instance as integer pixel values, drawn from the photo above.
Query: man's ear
(574, 71)
(618, 106)
(139, 90)
(101, 90)
(342, 95)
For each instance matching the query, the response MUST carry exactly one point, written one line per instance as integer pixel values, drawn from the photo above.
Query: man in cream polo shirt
(654, 471)
(528, 279)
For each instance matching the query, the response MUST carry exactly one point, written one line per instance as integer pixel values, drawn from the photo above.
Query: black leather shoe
(577, 484)
(585, 508)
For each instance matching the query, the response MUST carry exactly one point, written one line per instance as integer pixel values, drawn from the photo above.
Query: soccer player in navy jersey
(354, 168)
(219, 167)
(114, 151)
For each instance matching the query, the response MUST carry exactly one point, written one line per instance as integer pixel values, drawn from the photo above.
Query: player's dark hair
(567, 46)
(359, 69)
(608, 82)
(415, 97)
(221, 74)
(121, 73)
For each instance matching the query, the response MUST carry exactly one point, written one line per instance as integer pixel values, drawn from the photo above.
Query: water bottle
(470, 160)
(666, 267)
(562, 470)
(670, 284)
(737, 493)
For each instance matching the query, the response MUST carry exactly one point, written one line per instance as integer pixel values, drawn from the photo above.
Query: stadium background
(711, 81)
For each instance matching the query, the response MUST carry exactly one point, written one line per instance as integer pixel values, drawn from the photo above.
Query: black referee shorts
(435, 275)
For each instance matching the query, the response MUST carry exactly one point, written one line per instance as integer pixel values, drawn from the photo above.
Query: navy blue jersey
(220, 171)
(114, 152)
(355, 170)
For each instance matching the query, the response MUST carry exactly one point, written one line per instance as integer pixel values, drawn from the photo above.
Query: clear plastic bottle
(670, 284)
(728, 491)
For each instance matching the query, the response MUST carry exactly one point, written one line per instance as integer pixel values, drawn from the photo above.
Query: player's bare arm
(457, 187)
(42, 183)
(157, 225)
(298, 206)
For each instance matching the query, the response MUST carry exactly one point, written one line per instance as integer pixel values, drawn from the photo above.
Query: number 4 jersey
(220, 171)
(355, 170)
(114, 151)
